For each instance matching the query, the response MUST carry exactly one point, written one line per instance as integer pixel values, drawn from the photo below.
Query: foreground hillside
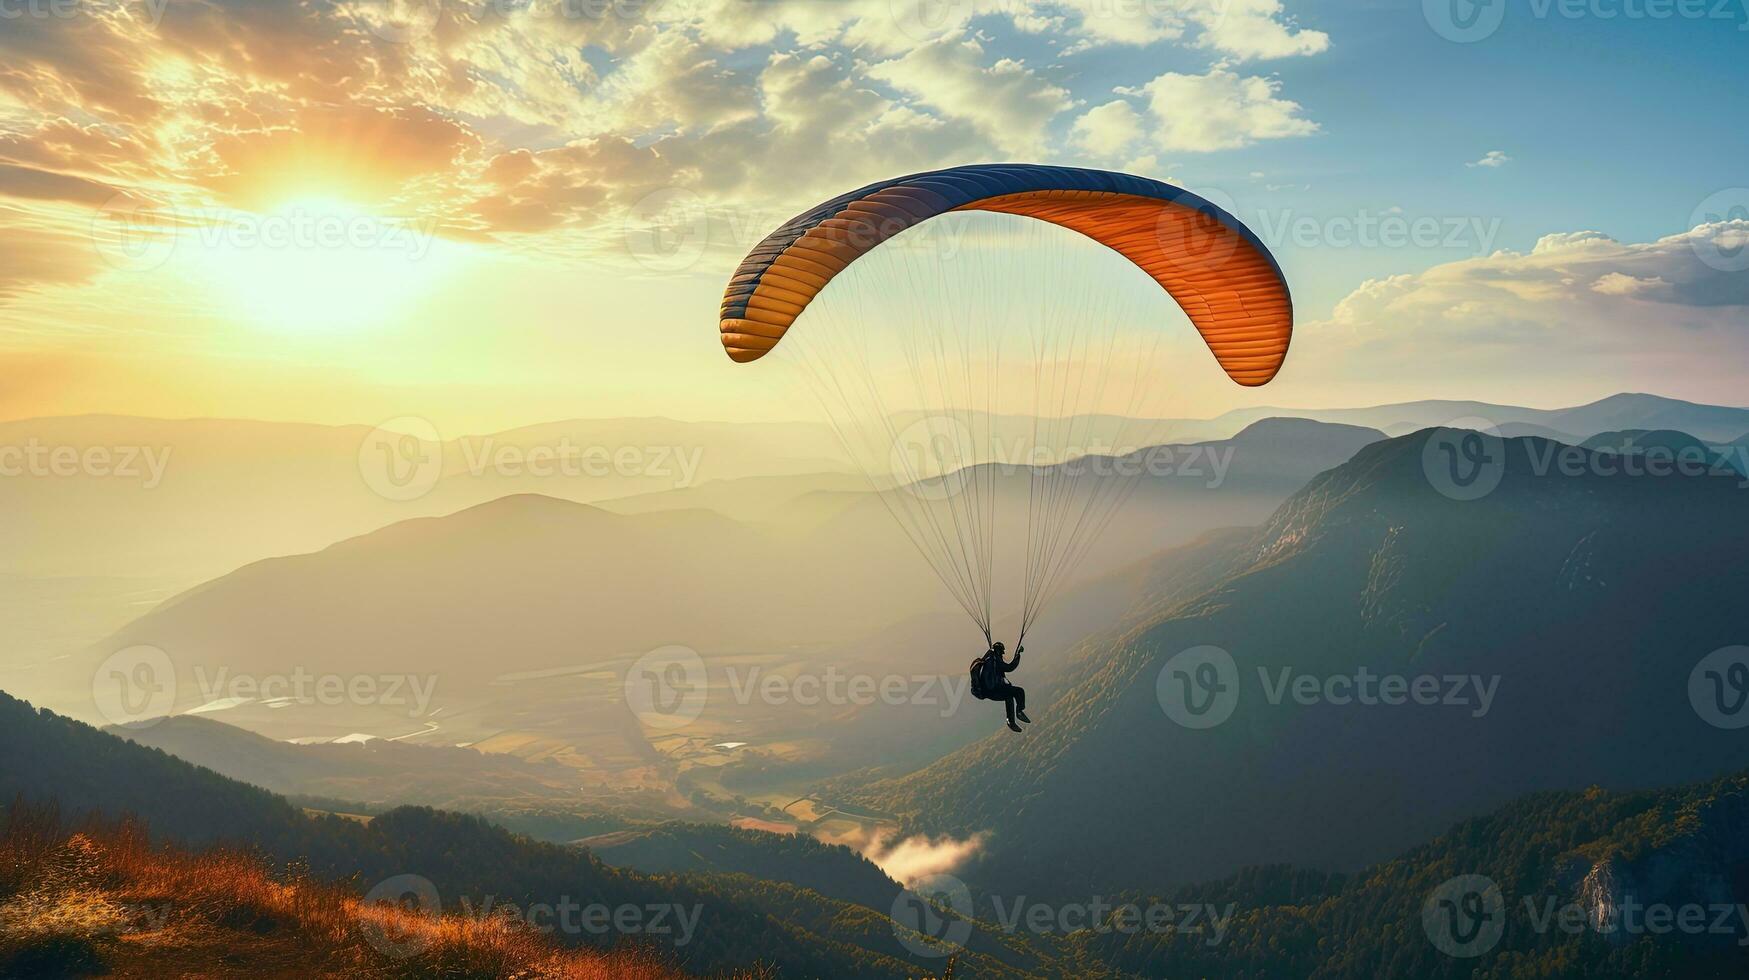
(95, 897)
(703, 923)
(1571, 885)
(1557, 620)
(101, 900)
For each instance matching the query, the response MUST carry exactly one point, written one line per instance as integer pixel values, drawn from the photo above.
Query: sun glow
(320, 264)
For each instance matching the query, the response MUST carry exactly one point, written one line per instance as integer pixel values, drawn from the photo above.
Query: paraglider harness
(987, 676)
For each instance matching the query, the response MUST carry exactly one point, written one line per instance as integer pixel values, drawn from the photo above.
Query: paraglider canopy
(1215, 268)
(970, 378)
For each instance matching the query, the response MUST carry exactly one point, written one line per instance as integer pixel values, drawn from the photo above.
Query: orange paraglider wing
(1213, 267)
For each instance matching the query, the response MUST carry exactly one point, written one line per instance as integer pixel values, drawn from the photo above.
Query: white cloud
(1622, 284)
(1576, 302)
(1106, 131)
(1250, 29)
(1099, 23)
(919, 857)
(1220, 110)
(1493, 158)
(1008, 103)
(533, 123)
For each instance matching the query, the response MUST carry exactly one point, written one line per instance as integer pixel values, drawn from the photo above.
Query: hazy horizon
(1547, 404)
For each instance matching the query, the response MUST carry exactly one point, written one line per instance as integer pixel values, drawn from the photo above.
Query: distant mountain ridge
(502, 587)
(1587, 600)
(1668, 447)
(1628, 410)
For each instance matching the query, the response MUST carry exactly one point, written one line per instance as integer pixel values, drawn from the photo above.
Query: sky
(488, 214)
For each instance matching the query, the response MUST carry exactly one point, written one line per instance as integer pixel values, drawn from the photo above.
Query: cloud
(540, 126)
(42, 254)
(1219, 110)
(1621, 284)
(1105, 131)
(1008, 103)
(1493, 158)
(29, 182)
(1253, 29)
(375, 153)
(1577, 302)
(1242, 29)
(918, 857)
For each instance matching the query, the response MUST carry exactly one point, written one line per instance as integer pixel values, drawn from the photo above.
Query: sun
(321, 264)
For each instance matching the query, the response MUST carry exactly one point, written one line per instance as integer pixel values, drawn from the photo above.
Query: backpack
(985, 679)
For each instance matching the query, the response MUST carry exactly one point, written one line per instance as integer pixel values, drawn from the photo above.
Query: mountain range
(1557, 622)
(1574, 884)
(737, 922)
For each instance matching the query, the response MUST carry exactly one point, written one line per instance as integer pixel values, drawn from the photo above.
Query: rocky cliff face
(1688, 882)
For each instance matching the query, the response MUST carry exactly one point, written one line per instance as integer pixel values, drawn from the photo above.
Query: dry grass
(101, 899)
